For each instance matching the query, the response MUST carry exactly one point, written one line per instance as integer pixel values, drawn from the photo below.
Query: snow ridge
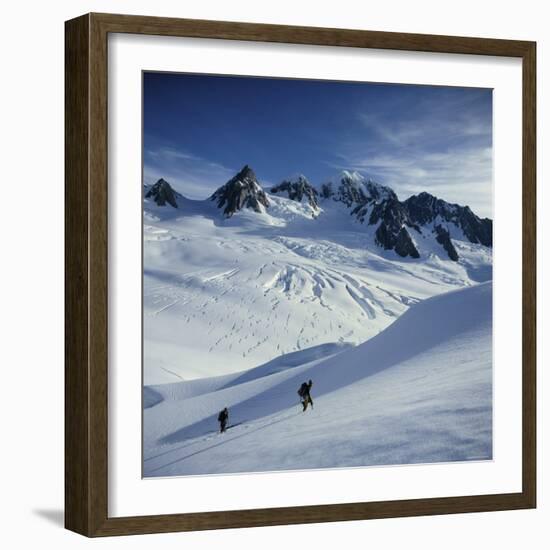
(241, 191)
(298, 188)
(419, 392)
(398, 225)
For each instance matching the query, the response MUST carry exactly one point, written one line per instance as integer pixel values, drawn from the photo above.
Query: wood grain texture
(165, 26)
(77, 153)
(98, 285)
(529, 275)
(86, 257)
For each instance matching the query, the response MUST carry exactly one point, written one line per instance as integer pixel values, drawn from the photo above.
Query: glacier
(240, 306)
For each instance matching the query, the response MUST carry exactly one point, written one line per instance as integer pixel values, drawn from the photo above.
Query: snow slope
(420, 391)
(226, 295)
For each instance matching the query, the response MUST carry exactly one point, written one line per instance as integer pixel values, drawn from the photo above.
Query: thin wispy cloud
(460, 176)
(444, 148)
(200, 130)
(192, 175)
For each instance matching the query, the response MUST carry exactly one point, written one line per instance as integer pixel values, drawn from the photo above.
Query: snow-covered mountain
(384, 304)
(162, 193)
(241, 191)
(418, 392)
(398, 225)
(425, 209)
(249, 275)
(353, 189)
(298, 188)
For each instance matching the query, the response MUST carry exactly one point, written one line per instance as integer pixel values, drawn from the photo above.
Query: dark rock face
(391, 212)
(404, 245)
(397, 222)
(379, 192)
(392, 217)
(424, 208)
(376, 204)
(296, 189)
(162, 193)
(476, 229)
(399, 240)
(396, 218)
(349, 193)
(444, 239)
(241, 191)
(354, 189)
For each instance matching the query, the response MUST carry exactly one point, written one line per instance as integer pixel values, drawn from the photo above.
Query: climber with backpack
(222, 419)
(305, 395)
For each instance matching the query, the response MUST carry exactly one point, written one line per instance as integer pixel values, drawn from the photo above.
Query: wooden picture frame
(86, 260)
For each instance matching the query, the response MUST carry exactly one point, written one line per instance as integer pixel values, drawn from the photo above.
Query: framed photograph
(300, 275)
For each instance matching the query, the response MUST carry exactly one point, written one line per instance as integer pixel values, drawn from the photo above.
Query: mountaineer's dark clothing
(305, 395)
(222, 419)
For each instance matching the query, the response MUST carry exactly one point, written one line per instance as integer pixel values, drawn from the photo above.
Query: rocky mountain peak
(162, 193)
(425, 209)
(297, 188)
(397, 225)
(353, 189)
(246, 173)
(422, 213)
(241, 191)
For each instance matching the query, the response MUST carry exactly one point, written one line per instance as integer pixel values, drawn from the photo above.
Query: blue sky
(198, 130)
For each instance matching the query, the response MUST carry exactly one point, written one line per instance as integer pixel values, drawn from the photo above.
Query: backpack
(303, 389)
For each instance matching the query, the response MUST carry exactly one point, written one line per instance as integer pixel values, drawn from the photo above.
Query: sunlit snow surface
(238, 312)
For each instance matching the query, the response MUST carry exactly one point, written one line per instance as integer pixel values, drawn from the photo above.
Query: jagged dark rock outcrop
(162, 193)
(241, 191)
(476, 229)
(404, 245)
(425, 208)
(443, 237)
(421, 212)
(296, 189)
(391, 234)
(352, 188)
(399, 224)
(399, 241)
(375, 204)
